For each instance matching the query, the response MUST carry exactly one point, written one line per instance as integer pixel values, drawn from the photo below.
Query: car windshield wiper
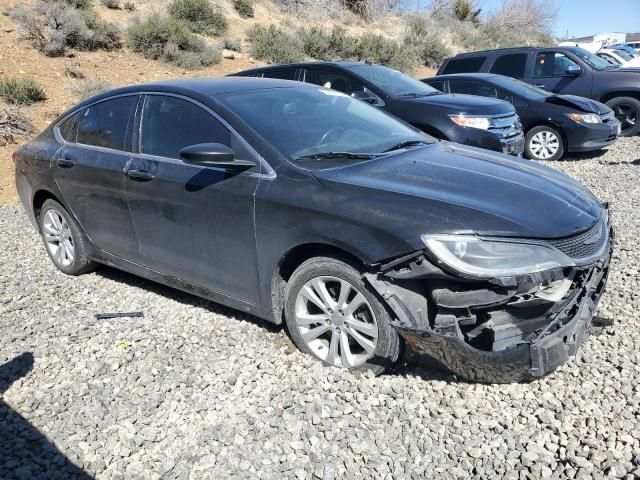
(347, 155)
(405, 144)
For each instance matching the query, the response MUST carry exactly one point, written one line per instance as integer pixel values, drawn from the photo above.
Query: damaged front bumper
(505, 330)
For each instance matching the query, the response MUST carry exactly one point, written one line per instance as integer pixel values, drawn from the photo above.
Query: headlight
(585, 117)
(480, 258)
(474, 122)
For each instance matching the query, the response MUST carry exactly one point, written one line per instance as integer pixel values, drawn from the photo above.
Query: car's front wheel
(63, 239)
(332, 314)
(544, 143)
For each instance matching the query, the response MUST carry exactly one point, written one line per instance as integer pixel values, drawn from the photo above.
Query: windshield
(623, 54)
(393, 82)
(594, 61)
(306, 122)
(520, 88)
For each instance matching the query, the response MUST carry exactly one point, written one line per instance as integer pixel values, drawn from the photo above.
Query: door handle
(65, 162)
(539, 85)
(140, 175)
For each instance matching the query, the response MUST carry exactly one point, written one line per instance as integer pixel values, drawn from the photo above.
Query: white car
(618, 56)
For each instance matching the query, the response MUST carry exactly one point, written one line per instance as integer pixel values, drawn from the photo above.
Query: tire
(372, 343)
(63, 240)
(627, 110)
(544, 143)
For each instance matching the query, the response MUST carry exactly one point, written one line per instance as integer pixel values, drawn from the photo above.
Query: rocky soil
(195, 390)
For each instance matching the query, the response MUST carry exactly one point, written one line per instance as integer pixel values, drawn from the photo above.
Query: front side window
(105, 124)
(170, 124)
(511, 65)
(333, 79)
(306, 121)
(552, 64)
(464, 65)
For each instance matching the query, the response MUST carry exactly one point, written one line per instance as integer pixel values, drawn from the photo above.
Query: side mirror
(214, 155)
(365, 97)
(573, 70)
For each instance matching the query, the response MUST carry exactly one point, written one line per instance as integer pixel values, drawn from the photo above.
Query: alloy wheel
(544, 145)
(58, 238)
(627, 115)
(336, 321)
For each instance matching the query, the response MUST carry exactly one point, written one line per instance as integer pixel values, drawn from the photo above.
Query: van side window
(552, 64)
(464, 65)
(511, 65)
(105, 124)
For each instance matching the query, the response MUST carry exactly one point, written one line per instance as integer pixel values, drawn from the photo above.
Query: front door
(550, 73)
(193, 223)
(89, 171)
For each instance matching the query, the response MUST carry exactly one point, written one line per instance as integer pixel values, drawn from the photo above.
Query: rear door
(89, 170)
(550, 72)
(193, 223)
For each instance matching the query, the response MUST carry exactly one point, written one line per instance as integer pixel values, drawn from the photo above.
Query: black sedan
(480, 122)
(553, 124)
(303, 205)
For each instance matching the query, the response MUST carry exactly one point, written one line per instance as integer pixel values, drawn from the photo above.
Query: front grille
(608, 118)
(506, 126)
(585, 244)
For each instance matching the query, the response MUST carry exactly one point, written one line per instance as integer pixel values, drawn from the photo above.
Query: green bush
(321, 45)
(82, 4)
(244, 8)
(427, 46)
(234, 44)
(114, 4)
(378, 49)
(274, 45)
(200, 16)
(21, 91)
(89, 87)
(105, 35)
(165, 38)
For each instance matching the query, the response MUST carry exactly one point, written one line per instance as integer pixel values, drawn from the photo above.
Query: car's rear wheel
(544, 143)
(63, 239)
(627, 111)
(332, 314)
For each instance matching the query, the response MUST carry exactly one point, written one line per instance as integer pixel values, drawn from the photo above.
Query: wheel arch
(41, 196)
(604, 98)
(294, 257)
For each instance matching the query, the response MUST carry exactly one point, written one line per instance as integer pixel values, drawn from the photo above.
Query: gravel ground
(196, 390)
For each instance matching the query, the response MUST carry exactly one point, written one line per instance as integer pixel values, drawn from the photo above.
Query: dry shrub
(13, 125)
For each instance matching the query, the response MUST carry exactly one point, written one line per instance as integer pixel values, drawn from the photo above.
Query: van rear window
(464, 65)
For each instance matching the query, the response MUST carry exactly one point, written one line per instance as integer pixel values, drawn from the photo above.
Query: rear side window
(464, 65)
(437, 84)
(170, 124)
(286, 74)
(68, 128)
(471, 87)
(511, 65)
(105, 124)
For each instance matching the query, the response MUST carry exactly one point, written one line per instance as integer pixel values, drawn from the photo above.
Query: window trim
(59, 138)
(264, 169)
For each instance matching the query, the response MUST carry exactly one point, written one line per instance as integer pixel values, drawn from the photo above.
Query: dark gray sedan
(302, 205)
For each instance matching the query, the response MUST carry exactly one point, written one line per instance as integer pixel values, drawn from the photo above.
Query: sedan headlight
(475, 257)
(585, 117)
(482, 123)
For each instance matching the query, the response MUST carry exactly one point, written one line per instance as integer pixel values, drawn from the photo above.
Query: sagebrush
(200, 16)
(274, 45)
(21, 91)
(160, 37)
(244, 8)
(89, 87)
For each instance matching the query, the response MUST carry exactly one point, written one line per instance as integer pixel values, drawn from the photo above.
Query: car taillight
(13, 156)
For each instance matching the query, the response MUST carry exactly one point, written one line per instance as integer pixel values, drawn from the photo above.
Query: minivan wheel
(544, 143)
(63, 239)
(332, 314)
(627, 111)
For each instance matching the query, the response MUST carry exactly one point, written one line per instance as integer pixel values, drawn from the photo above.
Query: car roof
(512, 50)
(318, 63)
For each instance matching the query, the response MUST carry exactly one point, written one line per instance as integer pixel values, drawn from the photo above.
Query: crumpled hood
(580, 103)
(451, 188)
(467, 104)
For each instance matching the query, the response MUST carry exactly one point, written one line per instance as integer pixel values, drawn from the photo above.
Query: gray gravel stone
(196, 390)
